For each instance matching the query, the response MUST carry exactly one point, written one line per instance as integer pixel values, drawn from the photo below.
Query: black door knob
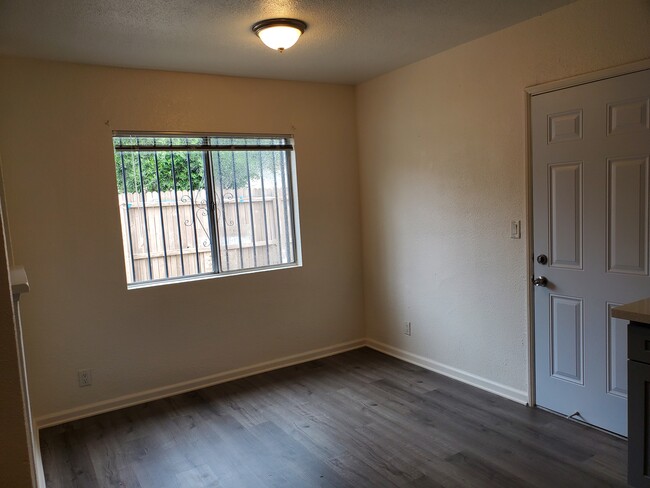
(542, 259)
(540, 281)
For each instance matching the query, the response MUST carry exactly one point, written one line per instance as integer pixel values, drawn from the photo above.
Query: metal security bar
(204, 204)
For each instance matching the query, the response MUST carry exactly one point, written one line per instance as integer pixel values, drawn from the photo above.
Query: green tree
(161, 178)
(167, 170)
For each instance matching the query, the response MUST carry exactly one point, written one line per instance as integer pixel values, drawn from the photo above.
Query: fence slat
(261, 210)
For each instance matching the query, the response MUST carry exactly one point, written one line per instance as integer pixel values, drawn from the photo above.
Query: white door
(591, 148)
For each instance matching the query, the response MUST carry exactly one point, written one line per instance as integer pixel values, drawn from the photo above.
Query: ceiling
(347, 41)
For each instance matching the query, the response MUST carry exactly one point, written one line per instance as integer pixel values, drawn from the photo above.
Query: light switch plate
(515, 229)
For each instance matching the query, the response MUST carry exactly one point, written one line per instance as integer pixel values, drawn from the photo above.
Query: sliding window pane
(164, 215)
(254, 207)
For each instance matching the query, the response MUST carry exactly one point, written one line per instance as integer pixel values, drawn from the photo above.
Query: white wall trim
(502, 390)
(589, 77)
(104, 406)
(530, 295)
(183, 387)
(39, 471)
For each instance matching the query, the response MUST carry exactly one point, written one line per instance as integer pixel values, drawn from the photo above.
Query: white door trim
(529, 92)
(583, 79)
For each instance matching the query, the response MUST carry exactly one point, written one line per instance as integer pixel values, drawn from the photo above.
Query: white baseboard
(39, 472)
(171, 390)
(518, 396)
(178, 388)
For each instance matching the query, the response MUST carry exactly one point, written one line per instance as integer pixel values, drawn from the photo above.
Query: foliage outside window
(195, 205)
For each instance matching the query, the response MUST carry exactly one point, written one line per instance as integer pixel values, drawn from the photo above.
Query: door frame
(529, 92)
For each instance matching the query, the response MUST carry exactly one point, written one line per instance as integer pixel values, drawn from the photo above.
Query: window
(204, 204)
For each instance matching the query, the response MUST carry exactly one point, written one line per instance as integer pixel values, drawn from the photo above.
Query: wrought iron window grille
(204, 204)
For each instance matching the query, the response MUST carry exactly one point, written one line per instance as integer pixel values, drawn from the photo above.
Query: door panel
(627, 199)
(567, 344)
(591, 148)
(628, 116)
(616, 354)
(565, 209)
(565, 126)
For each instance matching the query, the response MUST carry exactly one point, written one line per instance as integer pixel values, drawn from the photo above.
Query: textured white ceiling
(347, 41)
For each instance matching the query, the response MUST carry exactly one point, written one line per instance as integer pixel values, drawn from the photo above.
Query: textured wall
(62, 204)
(442, 158)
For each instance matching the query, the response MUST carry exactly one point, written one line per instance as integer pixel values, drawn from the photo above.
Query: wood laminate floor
(358, 419)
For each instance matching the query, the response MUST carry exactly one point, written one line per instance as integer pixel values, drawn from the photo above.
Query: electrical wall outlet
(85, 377)
(407, 328)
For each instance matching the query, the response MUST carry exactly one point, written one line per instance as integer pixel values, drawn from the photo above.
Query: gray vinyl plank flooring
(357, 419)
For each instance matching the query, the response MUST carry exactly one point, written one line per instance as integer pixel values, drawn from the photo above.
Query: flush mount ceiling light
(279, 34)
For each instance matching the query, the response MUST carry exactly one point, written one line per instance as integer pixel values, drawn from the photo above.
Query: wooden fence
(252, 232)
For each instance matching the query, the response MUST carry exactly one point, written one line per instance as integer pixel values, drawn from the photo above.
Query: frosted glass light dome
(279, 34)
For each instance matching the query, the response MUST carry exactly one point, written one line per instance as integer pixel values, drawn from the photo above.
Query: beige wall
(15, 469)
(442, 158)
(55, 132)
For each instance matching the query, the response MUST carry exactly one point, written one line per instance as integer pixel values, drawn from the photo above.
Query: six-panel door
(591, 149)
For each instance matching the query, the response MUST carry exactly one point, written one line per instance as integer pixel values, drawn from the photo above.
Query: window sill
(208, 276)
